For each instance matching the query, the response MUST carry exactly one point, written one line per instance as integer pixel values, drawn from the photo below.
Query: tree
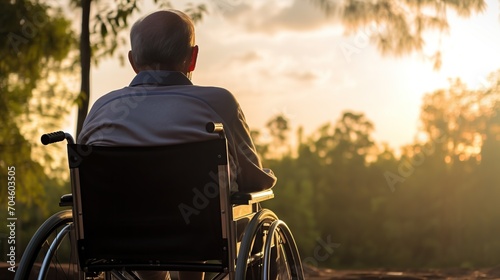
(34, 42)
(279, 129)
(349, 139)
(452, 171)
(442, 214)
(398, 27)
(454, 120)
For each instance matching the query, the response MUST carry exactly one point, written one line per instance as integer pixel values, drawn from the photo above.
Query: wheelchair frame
(250, 253)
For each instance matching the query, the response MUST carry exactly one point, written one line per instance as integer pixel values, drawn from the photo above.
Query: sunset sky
(288, 57)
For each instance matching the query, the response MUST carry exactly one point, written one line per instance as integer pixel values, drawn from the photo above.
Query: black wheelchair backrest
(154, 206)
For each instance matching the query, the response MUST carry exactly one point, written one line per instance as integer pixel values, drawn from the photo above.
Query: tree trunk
(85, 55)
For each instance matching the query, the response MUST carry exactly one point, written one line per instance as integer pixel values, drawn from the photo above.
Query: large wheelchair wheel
(51, 253)
(268, 250)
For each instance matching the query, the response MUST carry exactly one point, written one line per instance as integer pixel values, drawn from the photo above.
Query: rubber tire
(248, 245)
(280, 229)
(33, 249)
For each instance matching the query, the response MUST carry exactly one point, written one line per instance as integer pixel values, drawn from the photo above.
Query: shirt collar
(160, 78)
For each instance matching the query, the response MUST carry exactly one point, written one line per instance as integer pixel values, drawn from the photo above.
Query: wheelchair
(159, 208)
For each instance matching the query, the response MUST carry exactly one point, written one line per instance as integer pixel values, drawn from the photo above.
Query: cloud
(274, 16)
(248, 57)
(302, 76)
(242, 59)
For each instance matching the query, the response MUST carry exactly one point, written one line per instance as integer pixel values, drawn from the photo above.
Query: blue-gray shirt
(162, 108)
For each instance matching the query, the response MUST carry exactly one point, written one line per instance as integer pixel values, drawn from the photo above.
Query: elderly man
(161, 106)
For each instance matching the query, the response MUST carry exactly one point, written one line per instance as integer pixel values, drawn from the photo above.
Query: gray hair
(163, 40)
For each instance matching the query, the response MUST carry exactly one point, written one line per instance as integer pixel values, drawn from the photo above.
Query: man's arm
(251, 176)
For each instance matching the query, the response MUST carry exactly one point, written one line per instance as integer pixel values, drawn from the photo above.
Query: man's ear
(132, 62)
(194, 57)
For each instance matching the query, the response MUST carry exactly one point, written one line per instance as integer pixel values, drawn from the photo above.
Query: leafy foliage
(435, 206)
(34, 42)
(398, 27)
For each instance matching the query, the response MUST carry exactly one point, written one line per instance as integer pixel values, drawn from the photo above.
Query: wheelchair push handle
(57, 136)
(213, 127)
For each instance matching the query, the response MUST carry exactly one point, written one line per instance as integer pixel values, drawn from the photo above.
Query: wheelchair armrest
(66, 200)
(241, 198)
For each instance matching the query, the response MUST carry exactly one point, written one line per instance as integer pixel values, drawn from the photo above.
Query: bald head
(163, 40)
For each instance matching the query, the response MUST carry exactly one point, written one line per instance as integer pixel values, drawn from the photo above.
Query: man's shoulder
(211, 94)
(218, 91)
(112, 95)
